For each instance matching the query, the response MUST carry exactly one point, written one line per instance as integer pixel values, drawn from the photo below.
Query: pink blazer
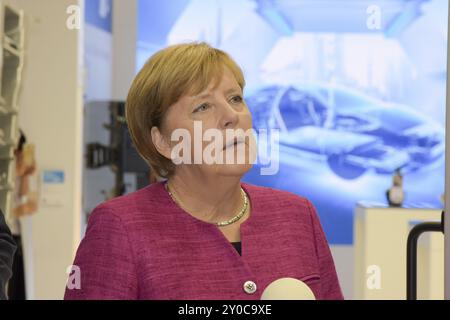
(143, 246)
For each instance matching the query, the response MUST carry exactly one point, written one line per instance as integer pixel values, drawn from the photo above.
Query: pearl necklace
(222, 223)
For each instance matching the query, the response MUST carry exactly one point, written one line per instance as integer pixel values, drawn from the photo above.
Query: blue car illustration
(350, 131)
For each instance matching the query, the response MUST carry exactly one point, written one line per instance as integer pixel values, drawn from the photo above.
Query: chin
(233, 169)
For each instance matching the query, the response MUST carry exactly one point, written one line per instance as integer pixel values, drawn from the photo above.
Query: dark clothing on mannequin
(7, 250)
(16, 285)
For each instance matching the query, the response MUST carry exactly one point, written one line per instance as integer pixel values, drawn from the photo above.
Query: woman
(200, 233)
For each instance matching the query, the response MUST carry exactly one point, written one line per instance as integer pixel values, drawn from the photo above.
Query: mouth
(236, 141)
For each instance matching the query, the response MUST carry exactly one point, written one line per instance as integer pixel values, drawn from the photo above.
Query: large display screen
(356, 90)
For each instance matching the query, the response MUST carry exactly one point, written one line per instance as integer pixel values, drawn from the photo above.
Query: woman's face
(221, 112)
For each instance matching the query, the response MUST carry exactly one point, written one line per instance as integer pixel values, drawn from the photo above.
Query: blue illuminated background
(356, 88)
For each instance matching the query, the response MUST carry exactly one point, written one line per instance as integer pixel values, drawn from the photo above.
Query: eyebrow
(206, 95)
(201, 96)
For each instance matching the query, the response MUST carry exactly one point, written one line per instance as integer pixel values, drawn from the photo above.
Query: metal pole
(411, 255)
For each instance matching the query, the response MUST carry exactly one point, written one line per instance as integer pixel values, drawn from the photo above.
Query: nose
(229, 116)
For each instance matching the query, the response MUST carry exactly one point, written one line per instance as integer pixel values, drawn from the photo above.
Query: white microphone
(287, 289)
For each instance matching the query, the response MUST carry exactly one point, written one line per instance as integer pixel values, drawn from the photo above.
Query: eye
(236, 99)
(201, 108)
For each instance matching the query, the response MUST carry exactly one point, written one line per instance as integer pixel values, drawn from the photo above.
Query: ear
(160, 142)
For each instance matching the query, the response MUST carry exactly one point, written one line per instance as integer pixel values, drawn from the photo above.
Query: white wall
(51, 116)
(124, 46)
(343, 256)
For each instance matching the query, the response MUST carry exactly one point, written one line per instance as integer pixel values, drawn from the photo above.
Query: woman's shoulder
(273, 200)
(272, 195)
(145, 200)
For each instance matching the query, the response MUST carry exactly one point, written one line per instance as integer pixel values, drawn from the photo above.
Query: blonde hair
(169, 74)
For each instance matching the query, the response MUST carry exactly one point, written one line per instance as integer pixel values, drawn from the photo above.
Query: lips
(234, 142)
